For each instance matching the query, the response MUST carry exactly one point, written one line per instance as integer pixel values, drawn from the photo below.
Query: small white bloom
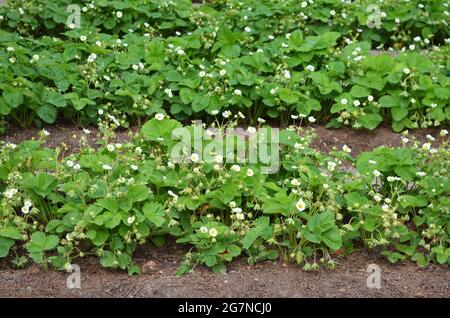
(92, 58)
(377, 197)
(240, 216)
(370, 98)
(25, 210)
(251, 130)
(426, 146)
(106, 167)
(300, 205)
(134, 167)
(237, 92)
(390, 179)
(83, 38)
(110, 148)
(250, 172)
(344, 101)
(226, 114)
(421, 174)
(138, 150)
(222, 72)
(373, 162)
(77, 167)
(213, 232)
(131, 219)
(376, 173)
(202, 74)
(331, 165)
(406, 70)
(195, 157)
(204, 229)
(247, 29)
(346, 149)
(287, 74)
(159, 116)
(168, 91)
(443, 132)
(69, 163)
(10, 193)
(45, 132)
(295, 182)
(310, 68)
(235, 168)
(119, 14)
(311, 119)
(430, 138)
(356, 103)
(261, 120)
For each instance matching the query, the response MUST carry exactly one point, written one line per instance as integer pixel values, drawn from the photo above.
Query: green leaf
(332, 238)
(359, 91)
(288, 96)
(399, 113)
(262, 229)
(40, 242)
(160, 130)
(47, 113)
(5, 245)
(10, 232)
(155, 213)
(13, 98)
(55, 99)
(42, 184)
(137, 193)
(370, 121)
(107, 259)
(98, 237)
(396, 100)
(417, 201)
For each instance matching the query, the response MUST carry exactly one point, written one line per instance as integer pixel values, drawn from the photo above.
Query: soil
(358, 140)
(268, 279)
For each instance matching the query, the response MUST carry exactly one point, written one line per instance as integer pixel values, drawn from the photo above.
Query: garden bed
(267, 279)
(358, 140)
(93, 176)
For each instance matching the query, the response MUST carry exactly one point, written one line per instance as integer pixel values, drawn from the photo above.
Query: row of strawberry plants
(109, 200)
(226, 61)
